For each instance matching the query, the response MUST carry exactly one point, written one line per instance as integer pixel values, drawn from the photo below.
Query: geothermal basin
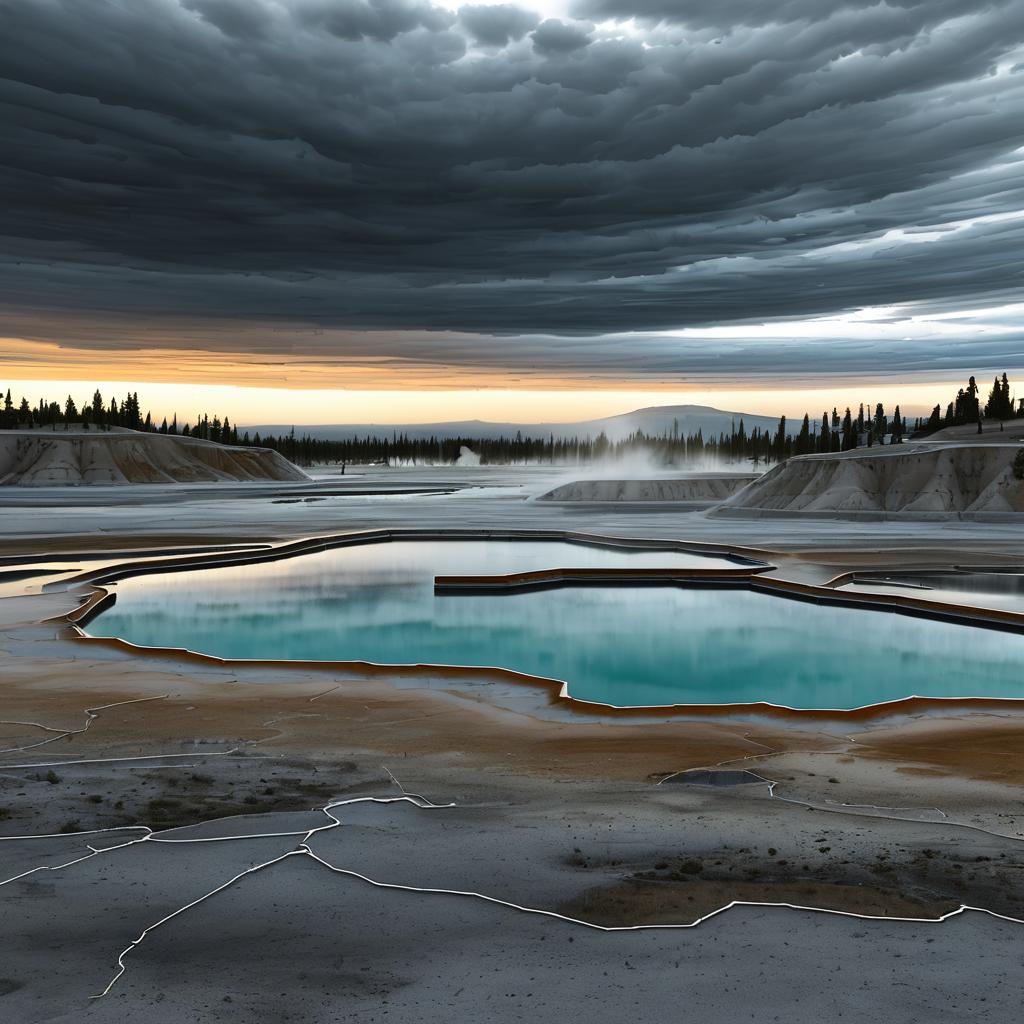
(626, 644)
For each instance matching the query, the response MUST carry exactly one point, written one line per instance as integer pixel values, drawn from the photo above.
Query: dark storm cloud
(232, 17)
(497, 24)
(390, 164)
(371, 19)
(727, 14)
(556, 37)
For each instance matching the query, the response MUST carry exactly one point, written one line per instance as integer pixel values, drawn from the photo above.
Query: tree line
(832, 433)
(93, 413)
(966, 408)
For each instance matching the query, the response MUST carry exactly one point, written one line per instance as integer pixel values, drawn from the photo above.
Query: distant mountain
(659, 419)
(656, 420)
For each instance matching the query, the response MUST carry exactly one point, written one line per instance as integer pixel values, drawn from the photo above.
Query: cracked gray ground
(267, 908)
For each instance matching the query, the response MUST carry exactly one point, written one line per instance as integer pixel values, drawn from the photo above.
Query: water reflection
(617, 645)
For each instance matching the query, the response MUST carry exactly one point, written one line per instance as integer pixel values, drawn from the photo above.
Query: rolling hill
(40, 458)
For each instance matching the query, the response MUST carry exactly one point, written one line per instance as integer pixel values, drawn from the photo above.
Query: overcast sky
(633, 191)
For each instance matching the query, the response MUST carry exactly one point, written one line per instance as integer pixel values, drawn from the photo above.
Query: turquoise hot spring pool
(623, 645)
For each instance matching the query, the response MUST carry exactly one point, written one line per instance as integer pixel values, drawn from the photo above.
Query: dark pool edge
(746, 556)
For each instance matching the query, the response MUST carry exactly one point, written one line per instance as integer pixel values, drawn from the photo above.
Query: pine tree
(999, 405)
(971, 406)
(803, 439)
(779, 444)
(849, 437)
(825, 437)
(994, 403)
